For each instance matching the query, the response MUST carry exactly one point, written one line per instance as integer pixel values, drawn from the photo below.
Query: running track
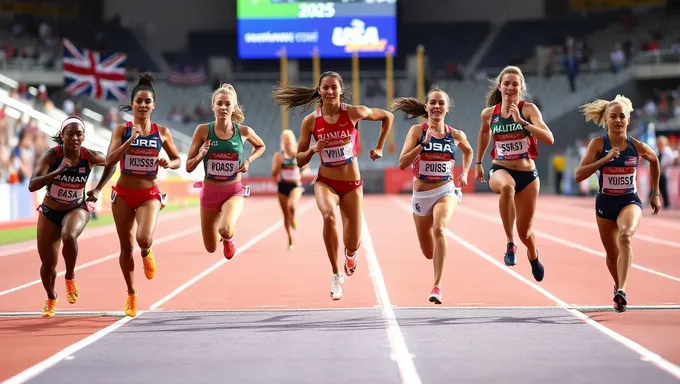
(266, 315)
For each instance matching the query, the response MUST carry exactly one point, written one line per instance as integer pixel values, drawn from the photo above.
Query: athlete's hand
(65, 163)
(655, 202)
(462, 179)
(244, 167)
(163, 162)
(204, 149)
(479, 171)
(514, 112)
(375, 154)
(319, 146)
(93, 195)
(136, 131)
(428, 136)
(613, 153)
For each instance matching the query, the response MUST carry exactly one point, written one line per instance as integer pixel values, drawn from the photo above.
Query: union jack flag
(85, 73)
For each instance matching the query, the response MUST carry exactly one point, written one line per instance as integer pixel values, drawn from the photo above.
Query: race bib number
(290, 174)
(435, 168)
(65, 194)
(337, 154)
(511, 148)
(140, 163)
(618, 179)
(222, 165)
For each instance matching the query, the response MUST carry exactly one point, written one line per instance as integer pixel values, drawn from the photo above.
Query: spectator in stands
(617, 58)
(559, 162)
(571, 64)
(23, 157)
(666, 159)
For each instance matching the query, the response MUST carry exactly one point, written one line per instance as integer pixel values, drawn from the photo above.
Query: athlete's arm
(304, 152)
(117, 148)
(588, 165)
(97, 158)
(646, 152)
(466, 148)
(361, 112)
(169, 146)
(197, 150)
(276, 164)
(484, 136)
(410, 150)
(536, 125)
(40, 177)
(254, 140)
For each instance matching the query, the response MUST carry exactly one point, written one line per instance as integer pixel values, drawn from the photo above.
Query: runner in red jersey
(516, 127)
(334, 125)
(65, 210)
(136, 197)
(430, 149)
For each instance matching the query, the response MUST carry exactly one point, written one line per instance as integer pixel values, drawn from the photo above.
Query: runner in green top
(287, 173)
(222, 191)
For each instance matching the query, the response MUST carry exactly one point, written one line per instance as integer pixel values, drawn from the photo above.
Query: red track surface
(268, 276)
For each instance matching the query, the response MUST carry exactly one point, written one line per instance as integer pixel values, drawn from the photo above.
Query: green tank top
(224, 156)
(511, 140)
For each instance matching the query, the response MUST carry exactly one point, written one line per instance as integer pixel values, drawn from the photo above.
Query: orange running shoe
(71, 291)
(49, 308)
(149, 265)
(131, 305)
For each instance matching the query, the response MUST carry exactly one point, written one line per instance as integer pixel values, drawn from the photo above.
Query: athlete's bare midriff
(517, 165)
(136, 182)
(347, 172)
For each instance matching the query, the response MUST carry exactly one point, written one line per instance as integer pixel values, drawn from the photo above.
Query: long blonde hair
(494, 96)
(288, 133)
(237, 115)
(595, 111)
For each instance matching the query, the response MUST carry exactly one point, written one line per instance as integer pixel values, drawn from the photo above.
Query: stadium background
(571, 51)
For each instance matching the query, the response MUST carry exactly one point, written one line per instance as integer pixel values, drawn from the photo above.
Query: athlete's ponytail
(292, 96)
(414, 108)
(595, 111)
(146, 82)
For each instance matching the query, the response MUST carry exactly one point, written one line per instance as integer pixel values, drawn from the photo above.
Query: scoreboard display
(336, 28)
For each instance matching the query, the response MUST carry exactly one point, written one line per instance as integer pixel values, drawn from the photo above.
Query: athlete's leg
(351, 208)
(441, 216)
(231, 211)
(326, 201)
(609, 231)
(503, 184)
(425, 234)
(124, 217)
(48, 238)
(293, 199)
(73, 225)
(628, 221)
(146, 217)
(287, 220)
(525, 202)
(209, 223)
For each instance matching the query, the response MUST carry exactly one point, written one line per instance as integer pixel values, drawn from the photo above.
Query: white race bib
(618, 178)
(64, 194)
(225, 168)
(511, 148)
(290, 174)
(140, 163)
(435, 168)
(337, 154)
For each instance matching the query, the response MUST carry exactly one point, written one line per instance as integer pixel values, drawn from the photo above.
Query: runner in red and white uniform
(516, 127)
(136, 145)
(334, 125)
(430, 149)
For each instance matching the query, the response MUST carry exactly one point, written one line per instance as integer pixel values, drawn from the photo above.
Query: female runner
(430, 148)
(615, 157)
(136, 197)
(219, 145)
(64, 170)
(289, 178)
(516, 127)
(334, 125)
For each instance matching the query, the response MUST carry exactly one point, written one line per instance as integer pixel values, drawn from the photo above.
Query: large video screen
(337, 28)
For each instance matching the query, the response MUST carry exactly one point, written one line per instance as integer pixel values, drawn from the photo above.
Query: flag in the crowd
(85, 73)
(188, 76)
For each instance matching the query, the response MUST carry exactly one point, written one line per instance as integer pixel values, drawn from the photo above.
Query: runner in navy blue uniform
(614, 157)
(430, 148)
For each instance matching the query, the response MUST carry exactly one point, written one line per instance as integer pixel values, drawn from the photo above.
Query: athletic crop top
(224, 156)
(342, 138)
(69, 186)
(290, 172)
(618, 176)
(141, 158)
(435, 162)
(511, 140)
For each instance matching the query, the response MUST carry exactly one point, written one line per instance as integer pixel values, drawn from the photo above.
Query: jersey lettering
(618, 180)
(65, 194)
(146, 143)
(512, 146)
(141, 160)
(337, 154)
(222, 165)
(438, 147)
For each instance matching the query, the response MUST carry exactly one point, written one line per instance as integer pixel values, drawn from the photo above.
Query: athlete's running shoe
(350, 263)
(229, 248)
(336, 287)
(49, 310)
(71, 291)
(537, 268)
(131, 305)
(510, 254)
(436, 295)
(620, 301)
(149, 265)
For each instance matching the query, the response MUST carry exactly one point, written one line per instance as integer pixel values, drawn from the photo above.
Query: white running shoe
(336, 287)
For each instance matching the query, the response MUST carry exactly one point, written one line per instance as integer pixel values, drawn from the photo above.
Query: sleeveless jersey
(618, 176)
(141, 158)
(342, 138)
(69, 186)
(511, 140)
(435, 162)
(224, 156)
(290, 172)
